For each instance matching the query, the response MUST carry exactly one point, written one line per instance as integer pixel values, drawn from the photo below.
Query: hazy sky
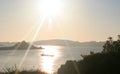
(79, 20)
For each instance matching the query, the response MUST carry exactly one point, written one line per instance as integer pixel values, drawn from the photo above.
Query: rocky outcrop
(21, 45)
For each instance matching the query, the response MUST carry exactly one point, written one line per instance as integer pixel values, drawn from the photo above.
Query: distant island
(57, 42)
(60, 42)
(20, 45)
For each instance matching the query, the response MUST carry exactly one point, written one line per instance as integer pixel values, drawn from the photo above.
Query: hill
(69, 43)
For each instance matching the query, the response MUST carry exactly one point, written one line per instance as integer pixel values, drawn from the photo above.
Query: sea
(48, 59)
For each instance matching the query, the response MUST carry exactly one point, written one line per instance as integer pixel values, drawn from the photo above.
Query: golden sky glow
(79, 20)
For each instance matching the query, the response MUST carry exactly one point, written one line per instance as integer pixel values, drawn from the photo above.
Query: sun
(50, 7)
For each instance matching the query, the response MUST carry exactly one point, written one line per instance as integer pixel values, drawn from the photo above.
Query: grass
(24, 72)
(14, 70)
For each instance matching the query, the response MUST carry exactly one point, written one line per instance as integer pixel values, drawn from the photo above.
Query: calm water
(54, 57)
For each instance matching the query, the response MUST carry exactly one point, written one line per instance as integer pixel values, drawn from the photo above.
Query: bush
(99, 63)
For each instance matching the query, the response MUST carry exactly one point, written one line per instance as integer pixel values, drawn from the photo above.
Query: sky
(78, 20)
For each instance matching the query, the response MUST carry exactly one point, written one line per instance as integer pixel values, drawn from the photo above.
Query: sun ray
(24, 37)
(27, 51)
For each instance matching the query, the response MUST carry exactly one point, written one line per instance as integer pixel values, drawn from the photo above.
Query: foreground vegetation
(99, 63)
(23, 72)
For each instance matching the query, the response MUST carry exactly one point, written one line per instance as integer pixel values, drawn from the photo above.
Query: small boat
(49, 55)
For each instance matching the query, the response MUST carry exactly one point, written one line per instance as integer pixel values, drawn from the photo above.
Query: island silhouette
(21, 45)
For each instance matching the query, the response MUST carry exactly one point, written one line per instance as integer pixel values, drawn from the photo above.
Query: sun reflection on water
(48, 56)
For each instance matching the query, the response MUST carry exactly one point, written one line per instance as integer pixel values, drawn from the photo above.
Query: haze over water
(34, 60)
